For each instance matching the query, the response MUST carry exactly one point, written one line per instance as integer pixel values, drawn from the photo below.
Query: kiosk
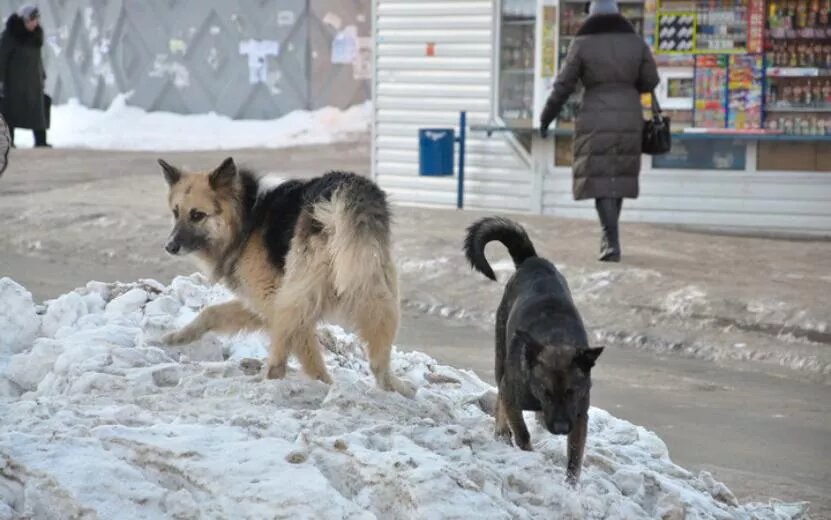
(747, 84)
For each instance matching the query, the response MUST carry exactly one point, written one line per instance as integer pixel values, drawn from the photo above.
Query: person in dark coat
(22, 74)
(615, 66)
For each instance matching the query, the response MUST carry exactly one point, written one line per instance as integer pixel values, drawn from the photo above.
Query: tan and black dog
(292, 254)
(543, 358)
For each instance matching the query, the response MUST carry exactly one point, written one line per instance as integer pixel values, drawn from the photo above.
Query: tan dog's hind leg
(377, 326)
(292, 330)
(225, 318)
(297, 308)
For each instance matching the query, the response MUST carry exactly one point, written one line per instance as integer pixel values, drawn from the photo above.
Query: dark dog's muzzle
(561, 428)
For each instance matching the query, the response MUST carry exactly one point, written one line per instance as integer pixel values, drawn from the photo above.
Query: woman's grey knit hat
(29, 12)
(603, 7)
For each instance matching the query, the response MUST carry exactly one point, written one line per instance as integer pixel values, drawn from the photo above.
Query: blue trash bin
(435, 151)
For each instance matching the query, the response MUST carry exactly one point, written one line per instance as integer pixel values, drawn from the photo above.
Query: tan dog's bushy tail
(358, 239)
(356, 224)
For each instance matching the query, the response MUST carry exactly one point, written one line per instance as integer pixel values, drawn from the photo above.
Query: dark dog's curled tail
(488, 229)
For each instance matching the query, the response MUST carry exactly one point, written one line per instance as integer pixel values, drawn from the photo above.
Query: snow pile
(122, 127)
(101, 422)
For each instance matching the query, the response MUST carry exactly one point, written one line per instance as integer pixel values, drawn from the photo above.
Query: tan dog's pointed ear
(172, 174)
(224, 175)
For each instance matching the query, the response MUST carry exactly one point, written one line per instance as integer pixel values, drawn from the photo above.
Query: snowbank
(122, 127)
(99, 421)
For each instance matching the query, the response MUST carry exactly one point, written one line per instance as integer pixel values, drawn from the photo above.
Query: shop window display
(516, 78)
(745, 67)
(798, 47)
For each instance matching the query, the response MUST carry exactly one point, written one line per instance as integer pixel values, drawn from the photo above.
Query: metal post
(460, 190)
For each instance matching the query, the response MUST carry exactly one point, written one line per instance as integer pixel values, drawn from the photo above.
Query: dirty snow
(99, 421)
(122, 127)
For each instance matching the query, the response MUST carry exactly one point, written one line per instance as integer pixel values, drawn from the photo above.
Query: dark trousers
(40, 136)
(608, 210)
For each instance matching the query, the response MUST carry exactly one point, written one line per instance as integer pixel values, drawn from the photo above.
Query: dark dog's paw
(572, 480)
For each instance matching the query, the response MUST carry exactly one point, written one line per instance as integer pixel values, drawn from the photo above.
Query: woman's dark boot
(40, 139)
(608, 210)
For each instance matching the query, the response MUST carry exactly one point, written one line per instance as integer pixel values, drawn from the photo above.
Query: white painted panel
(441, 50)
(413, 91)
(501, 164)
(769, 201)
(447, 198)
(487, 148)
(434, 103)
(713, 220)
(472, 186)
(435, 77)
(427, 89)
(752, 187)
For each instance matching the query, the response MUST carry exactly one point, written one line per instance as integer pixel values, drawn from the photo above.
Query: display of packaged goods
(799, 19)
(710, 91)
(680, 118)
(721, 25)
(676, 32)
(675, 60)
(800, 53)
(802, 124)
(516, 59)
(799, 94)
(744, 91)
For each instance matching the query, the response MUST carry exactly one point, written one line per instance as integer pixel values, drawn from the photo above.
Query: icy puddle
(98, 421)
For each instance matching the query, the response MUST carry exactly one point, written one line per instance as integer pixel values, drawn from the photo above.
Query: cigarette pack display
(710, 91)
(745, 93)
(676, 32)
(721, 25)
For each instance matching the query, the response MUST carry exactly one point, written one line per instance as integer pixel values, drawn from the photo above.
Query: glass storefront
(728, 67)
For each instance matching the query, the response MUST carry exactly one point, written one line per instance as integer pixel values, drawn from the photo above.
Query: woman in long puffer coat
(22, 74)
(615, 66)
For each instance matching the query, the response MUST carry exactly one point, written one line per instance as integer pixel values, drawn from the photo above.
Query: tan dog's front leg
(225, 318)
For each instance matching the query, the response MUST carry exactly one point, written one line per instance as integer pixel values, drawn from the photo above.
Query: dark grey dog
(543, 358)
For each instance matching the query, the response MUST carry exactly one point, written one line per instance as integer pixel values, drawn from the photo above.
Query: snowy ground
(122, 127)
(100, 422)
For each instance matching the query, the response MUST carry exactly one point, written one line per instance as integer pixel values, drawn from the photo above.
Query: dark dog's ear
(586, 359)
(532, 347)
(224, 175)
(172, 174)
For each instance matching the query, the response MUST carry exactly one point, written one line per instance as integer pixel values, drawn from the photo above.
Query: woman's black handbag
(657, 139)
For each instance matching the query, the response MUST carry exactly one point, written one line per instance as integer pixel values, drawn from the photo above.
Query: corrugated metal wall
(774, 202)
(255, 59)
(414, 90)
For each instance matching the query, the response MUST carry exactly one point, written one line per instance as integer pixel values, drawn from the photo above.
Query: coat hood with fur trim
(604, 24)
(17, 29)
